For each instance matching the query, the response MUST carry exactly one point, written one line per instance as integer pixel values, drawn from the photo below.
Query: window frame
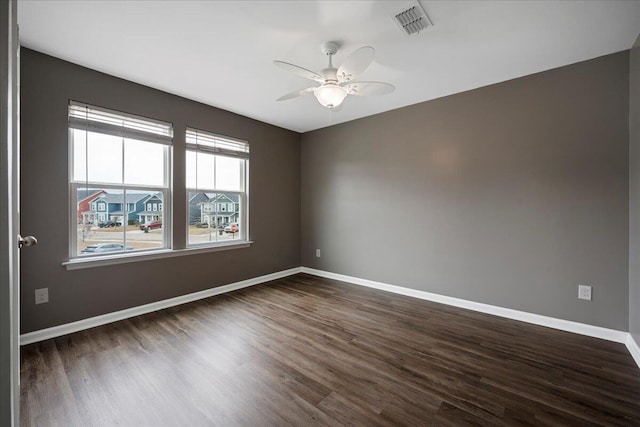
(74, 185)
(243, 196)
(76, 261)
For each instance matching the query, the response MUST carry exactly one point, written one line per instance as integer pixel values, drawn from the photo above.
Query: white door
(9, 218)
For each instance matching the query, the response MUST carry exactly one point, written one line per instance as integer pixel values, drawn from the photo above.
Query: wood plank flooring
(310, 351)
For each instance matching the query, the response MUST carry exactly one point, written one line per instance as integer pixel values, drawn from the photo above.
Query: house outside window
(217, 170)
(127, 158)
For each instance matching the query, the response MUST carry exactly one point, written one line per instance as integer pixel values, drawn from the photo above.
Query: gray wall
(47, 84)
(510, 195)
(634, 192)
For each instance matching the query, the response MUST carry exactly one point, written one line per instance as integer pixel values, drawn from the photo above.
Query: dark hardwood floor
(304, 350)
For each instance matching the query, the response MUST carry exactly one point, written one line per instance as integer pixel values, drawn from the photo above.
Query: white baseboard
(536, 319)
(634, 349)
(523, 316)
(92, 322)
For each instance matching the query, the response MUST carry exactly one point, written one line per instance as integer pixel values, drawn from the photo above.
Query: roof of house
(198, 197)
(84, 193)
(117, 198)
(215, 197)
(156, 196)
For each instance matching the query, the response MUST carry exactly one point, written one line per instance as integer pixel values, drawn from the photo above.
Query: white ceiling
(221, 53)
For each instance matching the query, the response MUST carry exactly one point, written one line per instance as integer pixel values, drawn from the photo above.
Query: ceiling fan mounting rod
(329, 49)
(330, 62)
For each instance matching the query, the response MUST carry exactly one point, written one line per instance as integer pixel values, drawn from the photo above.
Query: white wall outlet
(42, 295)
(317, 253)
(584, 292)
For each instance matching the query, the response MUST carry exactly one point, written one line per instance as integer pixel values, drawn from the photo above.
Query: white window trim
(243, 196)
(98, 260)
(166, 190)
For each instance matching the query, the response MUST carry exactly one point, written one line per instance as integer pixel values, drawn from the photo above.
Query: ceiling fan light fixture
(330, 95)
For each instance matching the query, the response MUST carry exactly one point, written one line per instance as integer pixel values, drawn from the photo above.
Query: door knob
(26, 241)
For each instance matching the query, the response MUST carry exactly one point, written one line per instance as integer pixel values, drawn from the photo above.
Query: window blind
(198, 140)
(102, 120)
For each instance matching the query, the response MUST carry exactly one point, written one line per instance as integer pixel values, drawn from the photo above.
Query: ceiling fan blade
(356, 63)
(368, 88)
(296, 93)
(308, 74)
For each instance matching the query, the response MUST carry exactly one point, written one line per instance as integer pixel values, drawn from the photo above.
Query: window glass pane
(104, 155)
(143, 163)
(206, 170)
(79, 139)
(191, 169)
(209, 222)
(99, 230)
(228, 173)
(200, 170)
(116, 227)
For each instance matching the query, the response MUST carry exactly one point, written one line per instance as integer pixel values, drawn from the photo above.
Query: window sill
(100, 261)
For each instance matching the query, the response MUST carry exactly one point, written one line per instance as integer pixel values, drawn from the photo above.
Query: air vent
(413, 20)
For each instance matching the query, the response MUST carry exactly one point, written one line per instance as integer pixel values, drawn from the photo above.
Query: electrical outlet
(584, 292)
(317, 253)
(42, 295)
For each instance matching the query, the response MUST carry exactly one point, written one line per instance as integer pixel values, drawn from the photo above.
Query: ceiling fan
(336, 83)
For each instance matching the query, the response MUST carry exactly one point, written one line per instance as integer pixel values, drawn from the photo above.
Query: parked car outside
(234, 227)
(109, 224)
(151, 225)
(105, 247)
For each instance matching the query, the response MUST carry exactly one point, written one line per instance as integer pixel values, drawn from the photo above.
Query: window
(127, 158)
(217, 170)
(148, 206)
(160, 207)
(102, 207)
(155, 206)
